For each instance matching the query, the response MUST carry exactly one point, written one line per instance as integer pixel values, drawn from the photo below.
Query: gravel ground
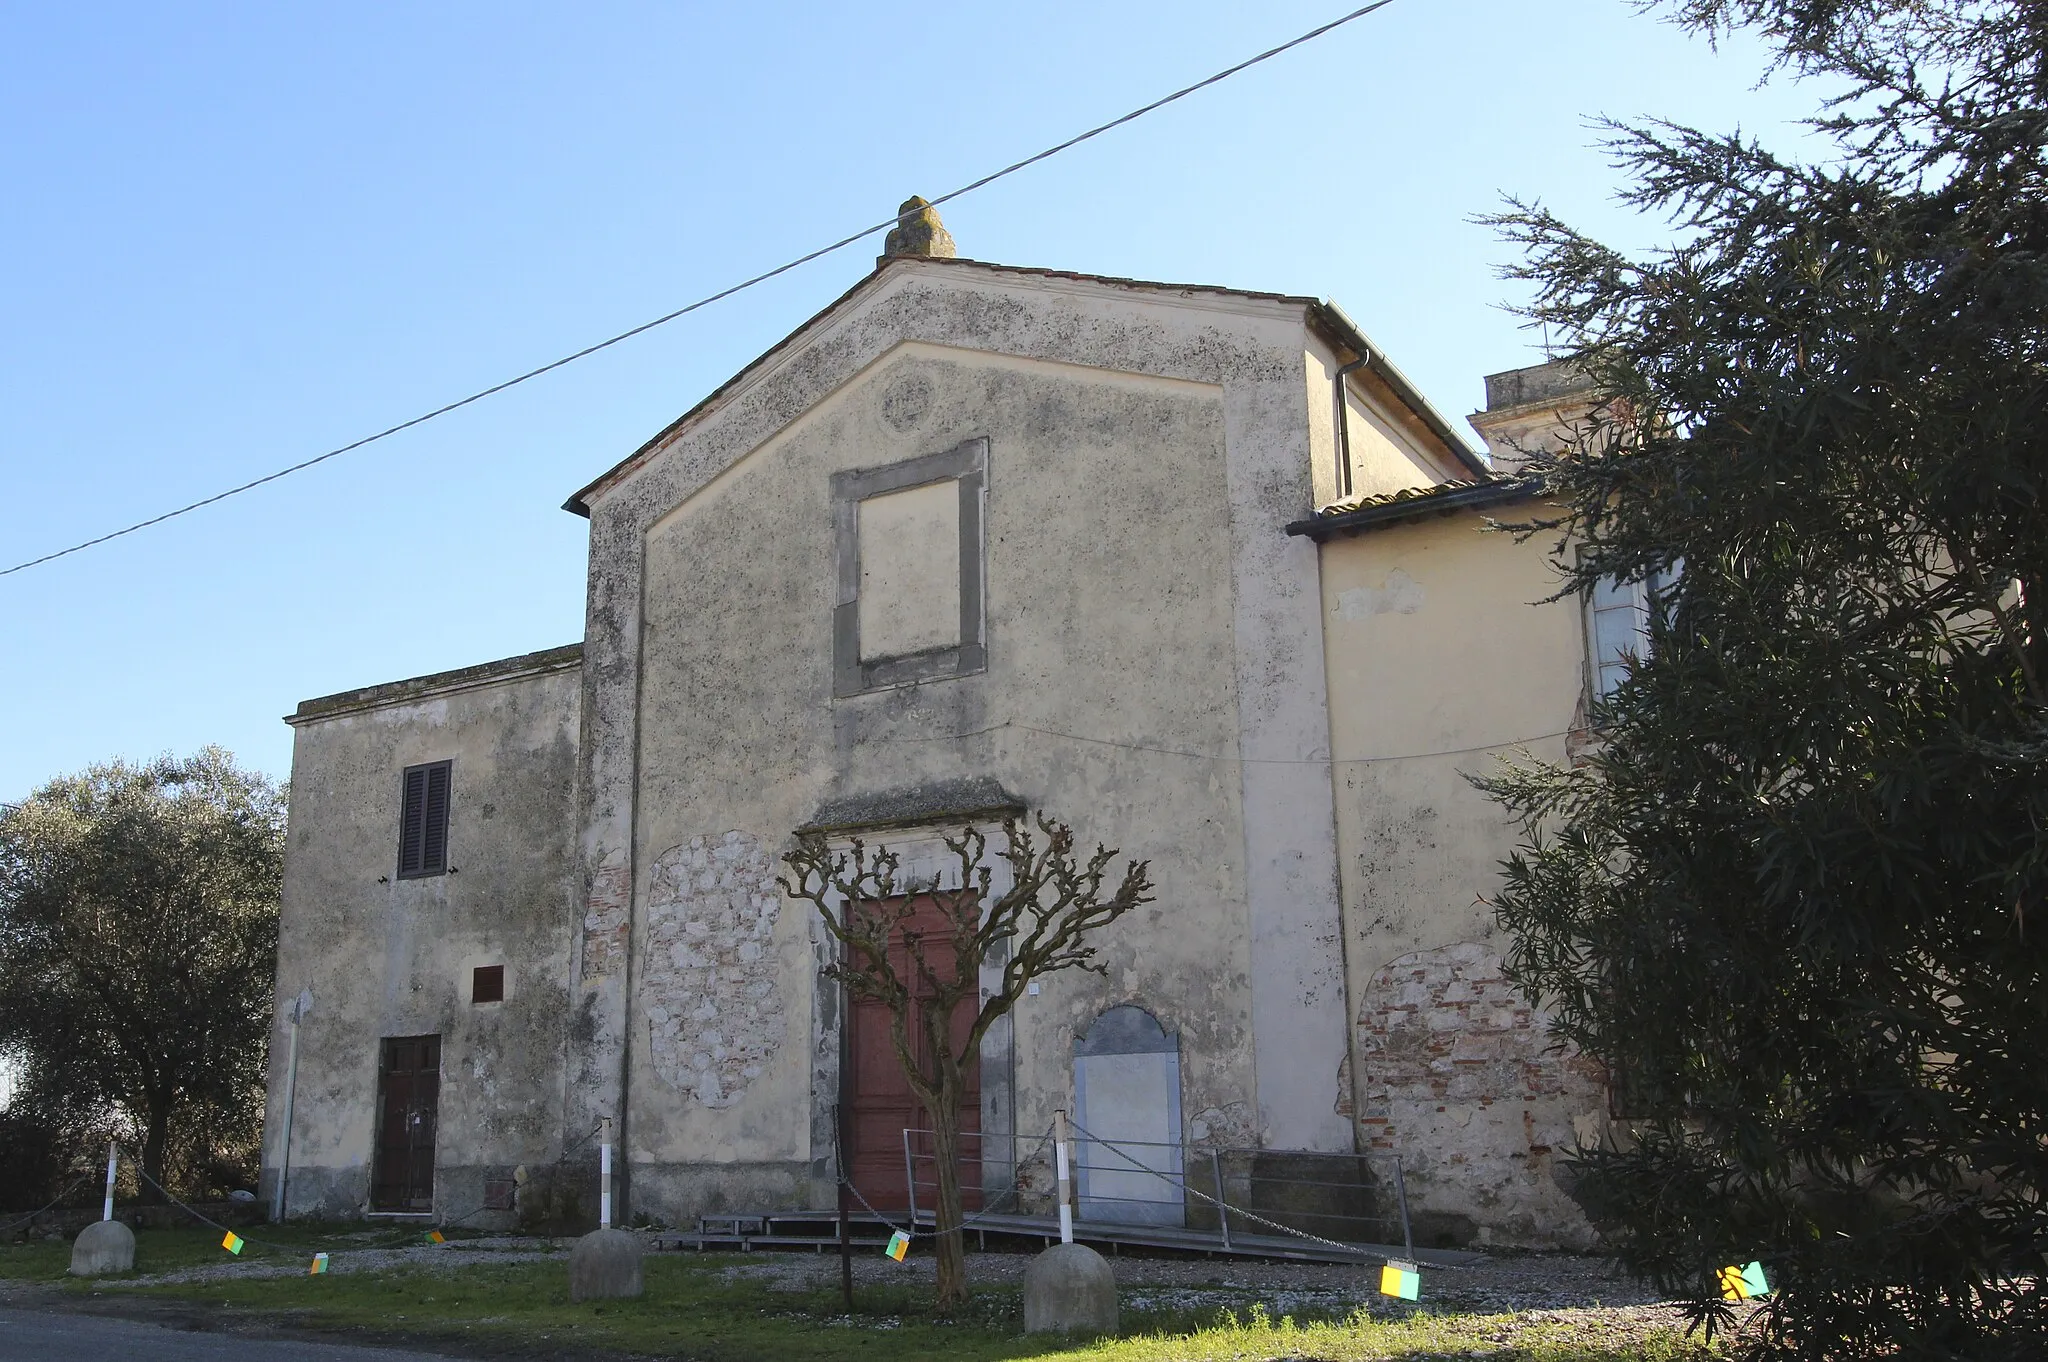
(1580, 1294)
(1581, 1298)
(1495, 1285)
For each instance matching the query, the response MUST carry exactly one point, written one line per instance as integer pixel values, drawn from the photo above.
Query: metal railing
(1336, 1199)
(993, 1190)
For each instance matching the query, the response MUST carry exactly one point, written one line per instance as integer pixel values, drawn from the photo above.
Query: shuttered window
(423, 824)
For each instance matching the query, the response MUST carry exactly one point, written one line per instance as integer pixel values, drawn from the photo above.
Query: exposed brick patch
(1461, 1077)
(605, 918)
(1445, 1026)
(714, 1014)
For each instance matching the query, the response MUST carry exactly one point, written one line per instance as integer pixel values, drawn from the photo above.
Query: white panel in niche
(1127, 1097)
(910, 570)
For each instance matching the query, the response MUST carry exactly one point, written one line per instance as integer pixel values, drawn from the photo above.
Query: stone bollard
(1069, 1289)
(605, 1264)
(103, 1246)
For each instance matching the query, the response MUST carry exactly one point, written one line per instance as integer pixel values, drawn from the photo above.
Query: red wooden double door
(879, 1103)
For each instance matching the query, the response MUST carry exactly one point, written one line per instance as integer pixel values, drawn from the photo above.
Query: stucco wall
(1387, 446)
(1146, 447)
(1099, 625)
(384, 956)
(1440, 666)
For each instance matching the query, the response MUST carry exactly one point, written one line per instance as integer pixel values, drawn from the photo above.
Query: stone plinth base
(605, 1264)
(1069, 1289)
(103, 1246)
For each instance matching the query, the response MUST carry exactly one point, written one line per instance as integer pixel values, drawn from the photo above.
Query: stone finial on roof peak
(918, 232)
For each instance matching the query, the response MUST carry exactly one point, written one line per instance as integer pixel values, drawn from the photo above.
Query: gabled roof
(1326, 317)
(1356, 514)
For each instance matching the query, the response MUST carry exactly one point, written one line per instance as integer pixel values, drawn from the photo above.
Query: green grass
(169, 1250)
(690, 1311)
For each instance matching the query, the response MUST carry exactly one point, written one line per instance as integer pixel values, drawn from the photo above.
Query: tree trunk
(951, 1242)
(156, 1137)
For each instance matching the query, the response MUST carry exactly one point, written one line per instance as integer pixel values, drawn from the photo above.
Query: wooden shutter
(412, 822)
(434, 838)
(423, 821)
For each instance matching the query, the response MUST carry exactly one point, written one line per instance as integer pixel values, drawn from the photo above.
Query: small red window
(487, 984)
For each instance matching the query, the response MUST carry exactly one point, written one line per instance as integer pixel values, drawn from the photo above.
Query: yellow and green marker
(1401, 1279)
(1744, 1283)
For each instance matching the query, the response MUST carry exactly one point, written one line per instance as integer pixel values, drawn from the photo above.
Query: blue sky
(236, 235)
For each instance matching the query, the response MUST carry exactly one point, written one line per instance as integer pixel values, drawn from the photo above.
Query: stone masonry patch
(714, 1015)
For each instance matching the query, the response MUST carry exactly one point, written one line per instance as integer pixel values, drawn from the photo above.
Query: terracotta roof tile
(1389, 508)
(1359, 503)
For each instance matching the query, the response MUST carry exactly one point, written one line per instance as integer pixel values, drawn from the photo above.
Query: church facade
(1193, 569)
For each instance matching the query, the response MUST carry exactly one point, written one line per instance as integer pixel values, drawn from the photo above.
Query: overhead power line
(667, 317)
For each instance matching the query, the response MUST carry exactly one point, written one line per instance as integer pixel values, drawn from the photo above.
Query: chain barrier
(1225, 1206)
(911, 1231)
(12, 1225)
(299, 1250)
(302, 1250)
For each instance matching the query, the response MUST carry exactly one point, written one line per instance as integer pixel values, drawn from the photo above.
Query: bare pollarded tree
(1037, 926)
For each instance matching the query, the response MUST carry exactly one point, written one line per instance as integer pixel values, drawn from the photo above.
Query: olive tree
(138, 945)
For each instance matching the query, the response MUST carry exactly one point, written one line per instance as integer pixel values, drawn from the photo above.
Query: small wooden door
(881, 1106)
(408, 1099)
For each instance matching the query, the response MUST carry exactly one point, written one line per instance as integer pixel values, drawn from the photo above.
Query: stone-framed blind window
(908, 540)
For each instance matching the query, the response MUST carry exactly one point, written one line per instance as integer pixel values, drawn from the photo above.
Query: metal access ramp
(1292, 1205)
(819, 1233)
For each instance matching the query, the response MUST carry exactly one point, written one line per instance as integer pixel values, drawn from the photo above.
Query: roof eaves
(579, 504)
(1446, 499)
(438, 683)
(1348, 332)
(1119, 281)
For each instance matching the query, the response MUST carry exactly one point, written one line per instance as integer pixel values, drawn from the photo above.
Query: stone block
(605, 1265)
(1069, 1289)
(103, 1246)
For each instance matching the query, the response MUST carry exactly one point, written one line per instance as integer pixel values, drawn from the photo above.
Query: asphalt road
(43, 1336)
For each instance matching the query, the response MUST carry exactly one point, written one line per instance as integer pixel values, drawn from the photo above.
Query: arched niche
(1127, 1095)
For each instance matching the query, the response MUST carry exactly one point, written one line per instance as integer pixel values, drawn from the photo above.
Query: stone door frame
(925, 860)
